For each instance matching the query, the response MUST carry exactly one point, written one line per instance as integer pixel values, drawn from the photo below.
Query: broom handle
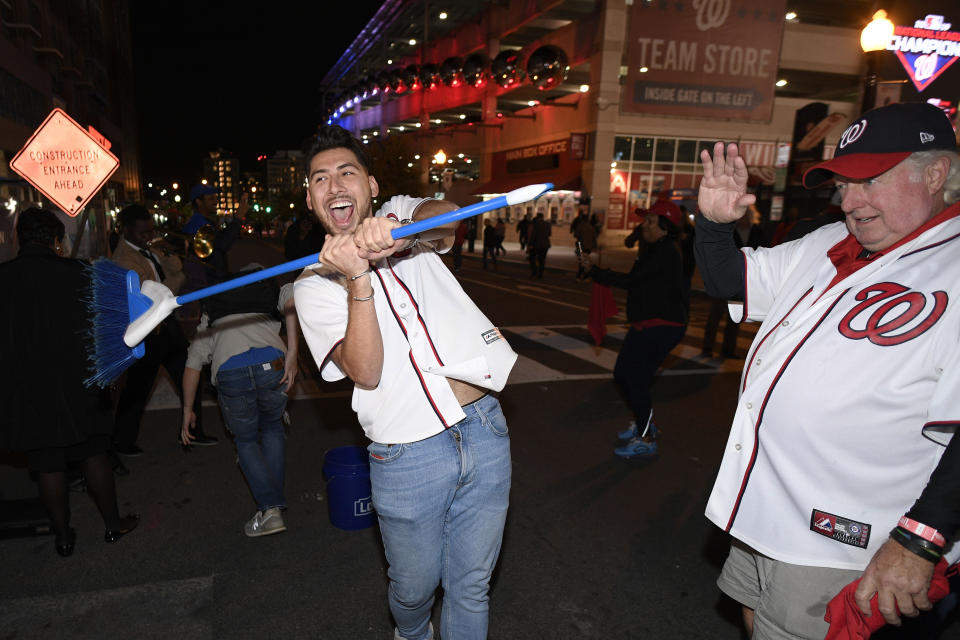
(517, 196)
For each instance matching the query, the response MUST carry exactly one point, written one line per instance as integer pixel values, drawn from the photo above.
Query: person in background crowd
(303, 237)
(166, 346)
(523, 226)
(538, 241)
(490, 241)
(501, 229)
(48, 413)
(205, 201)
(586, 235)
(253, 371)
(471, 233)
(830, 214)
(658, 320)
(457, 249)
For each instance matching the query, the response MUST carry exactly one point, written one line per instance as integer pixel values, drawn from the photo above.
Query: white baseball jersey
(847, 398)
(431, 331)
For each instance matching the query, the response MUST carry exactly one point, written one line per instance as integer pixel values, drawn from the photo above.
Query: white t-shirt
(847, 397)
(431, 331)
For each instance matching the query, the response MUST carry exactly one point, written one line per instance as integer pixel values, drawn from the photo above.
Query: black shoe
(65, 546)
(204, 440)
(130, 450)
(127, 524)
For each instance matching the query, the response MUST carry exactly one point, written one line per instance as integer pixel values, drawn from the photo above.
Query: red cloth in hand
(602, 306)
(846, 620)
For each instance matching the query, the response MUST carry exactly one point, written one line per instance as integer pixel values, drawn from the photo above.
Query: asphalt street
(595, 546)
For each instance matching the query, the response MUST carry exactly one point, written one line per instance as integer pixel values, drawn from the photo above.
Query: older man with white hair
(851, 390)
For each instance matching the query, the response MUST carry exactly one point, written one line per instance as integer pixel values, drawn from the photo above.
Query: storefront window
(686, 150)
(665, 150)
(621, 148)
(643, 149)
(658, 165)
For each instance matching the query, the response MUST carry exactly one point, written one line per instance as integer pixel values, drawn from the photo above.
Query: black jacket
(43, 329)
(654, 285)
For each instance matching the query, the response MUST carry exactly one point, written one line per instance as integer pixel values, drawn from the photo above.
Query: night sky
(225, 74)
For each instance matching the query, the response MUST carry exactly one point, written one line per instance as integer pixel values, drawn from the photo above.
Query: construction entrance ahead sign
(64, 162)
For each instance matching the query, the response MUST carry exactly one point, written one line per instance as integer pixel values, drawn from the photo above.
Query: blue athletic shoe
(637, 448)
(630, 432)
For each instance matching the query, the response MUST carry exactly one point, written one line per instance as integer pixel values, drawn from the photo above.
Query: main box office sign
(65, 162)
(703, 58)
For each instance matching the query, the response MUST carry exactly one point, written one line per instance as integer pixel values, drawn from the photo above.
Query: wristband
(927, 533)
(914, 543)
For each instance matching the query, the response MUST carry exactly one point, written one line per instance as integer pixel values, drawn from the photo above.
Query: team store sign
(926, 49)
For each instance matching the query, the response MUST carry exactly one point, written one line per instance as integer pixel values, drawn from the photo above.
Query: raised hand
(723, 193)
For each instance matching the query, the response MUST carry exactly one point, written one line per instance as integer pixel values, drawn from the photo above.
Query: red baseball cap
(665, 208)
(882, 138)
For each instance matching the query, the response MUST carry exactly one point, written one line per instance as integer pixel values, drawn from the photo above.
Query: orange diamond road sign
(64, 162)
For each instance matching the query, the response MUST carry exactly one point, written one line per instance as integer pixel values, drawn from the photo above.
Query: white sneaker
(265, 523)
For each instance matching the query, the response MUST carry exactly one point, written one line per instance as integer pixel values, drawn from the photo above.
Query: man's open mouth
(341, 211)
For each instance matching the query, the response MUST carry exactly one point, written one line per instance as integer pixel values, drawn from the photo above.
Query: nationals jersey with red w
(850, 390)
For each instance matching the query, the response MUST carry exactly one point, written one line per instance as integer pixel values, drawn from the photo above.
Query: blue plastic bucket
(347, 470)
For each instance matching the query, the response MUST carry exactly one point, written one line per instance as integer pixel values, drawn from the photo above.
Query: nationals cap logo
(853, 133)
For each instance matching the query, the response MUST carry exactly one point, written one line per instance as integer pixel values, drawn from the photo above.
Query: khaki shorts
(789, 600)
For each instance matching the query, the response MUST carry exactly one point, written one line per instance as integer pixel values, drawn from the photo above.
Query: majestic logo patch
(492, 335)
(841, 529)
(895, 314)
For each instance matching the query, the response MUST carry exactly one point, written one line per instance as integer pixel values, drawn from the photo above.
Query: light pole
(874, 40)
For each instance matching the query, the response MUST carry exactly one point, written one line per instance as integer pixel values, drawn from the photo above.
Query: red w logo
(892, 307)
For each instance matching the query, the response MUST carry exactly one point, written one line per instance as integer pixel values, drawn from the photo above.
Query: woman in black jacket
(48, 413)
(657, 314)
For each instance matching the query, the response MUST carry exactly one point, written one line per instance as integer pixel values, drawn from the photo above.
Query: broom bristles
(108, 356)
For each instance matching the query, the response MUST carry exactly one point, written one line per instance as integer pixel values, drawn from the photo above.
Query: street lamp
(873, 40)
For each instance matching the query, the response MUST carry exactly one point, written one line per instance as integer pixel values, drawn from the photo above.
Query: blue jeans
(253, 401)
(442, 503)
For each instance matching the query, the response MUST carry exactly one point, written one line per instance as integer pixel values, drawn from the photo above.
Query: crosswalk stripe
(559, 347)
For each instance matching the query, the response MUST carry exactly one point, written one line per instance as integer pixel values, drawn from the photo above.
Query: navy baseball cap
(201, 190)
(882, 138)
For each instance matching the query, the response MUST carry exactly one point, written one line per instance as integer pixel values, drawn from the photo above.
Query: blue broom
(125, 312)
